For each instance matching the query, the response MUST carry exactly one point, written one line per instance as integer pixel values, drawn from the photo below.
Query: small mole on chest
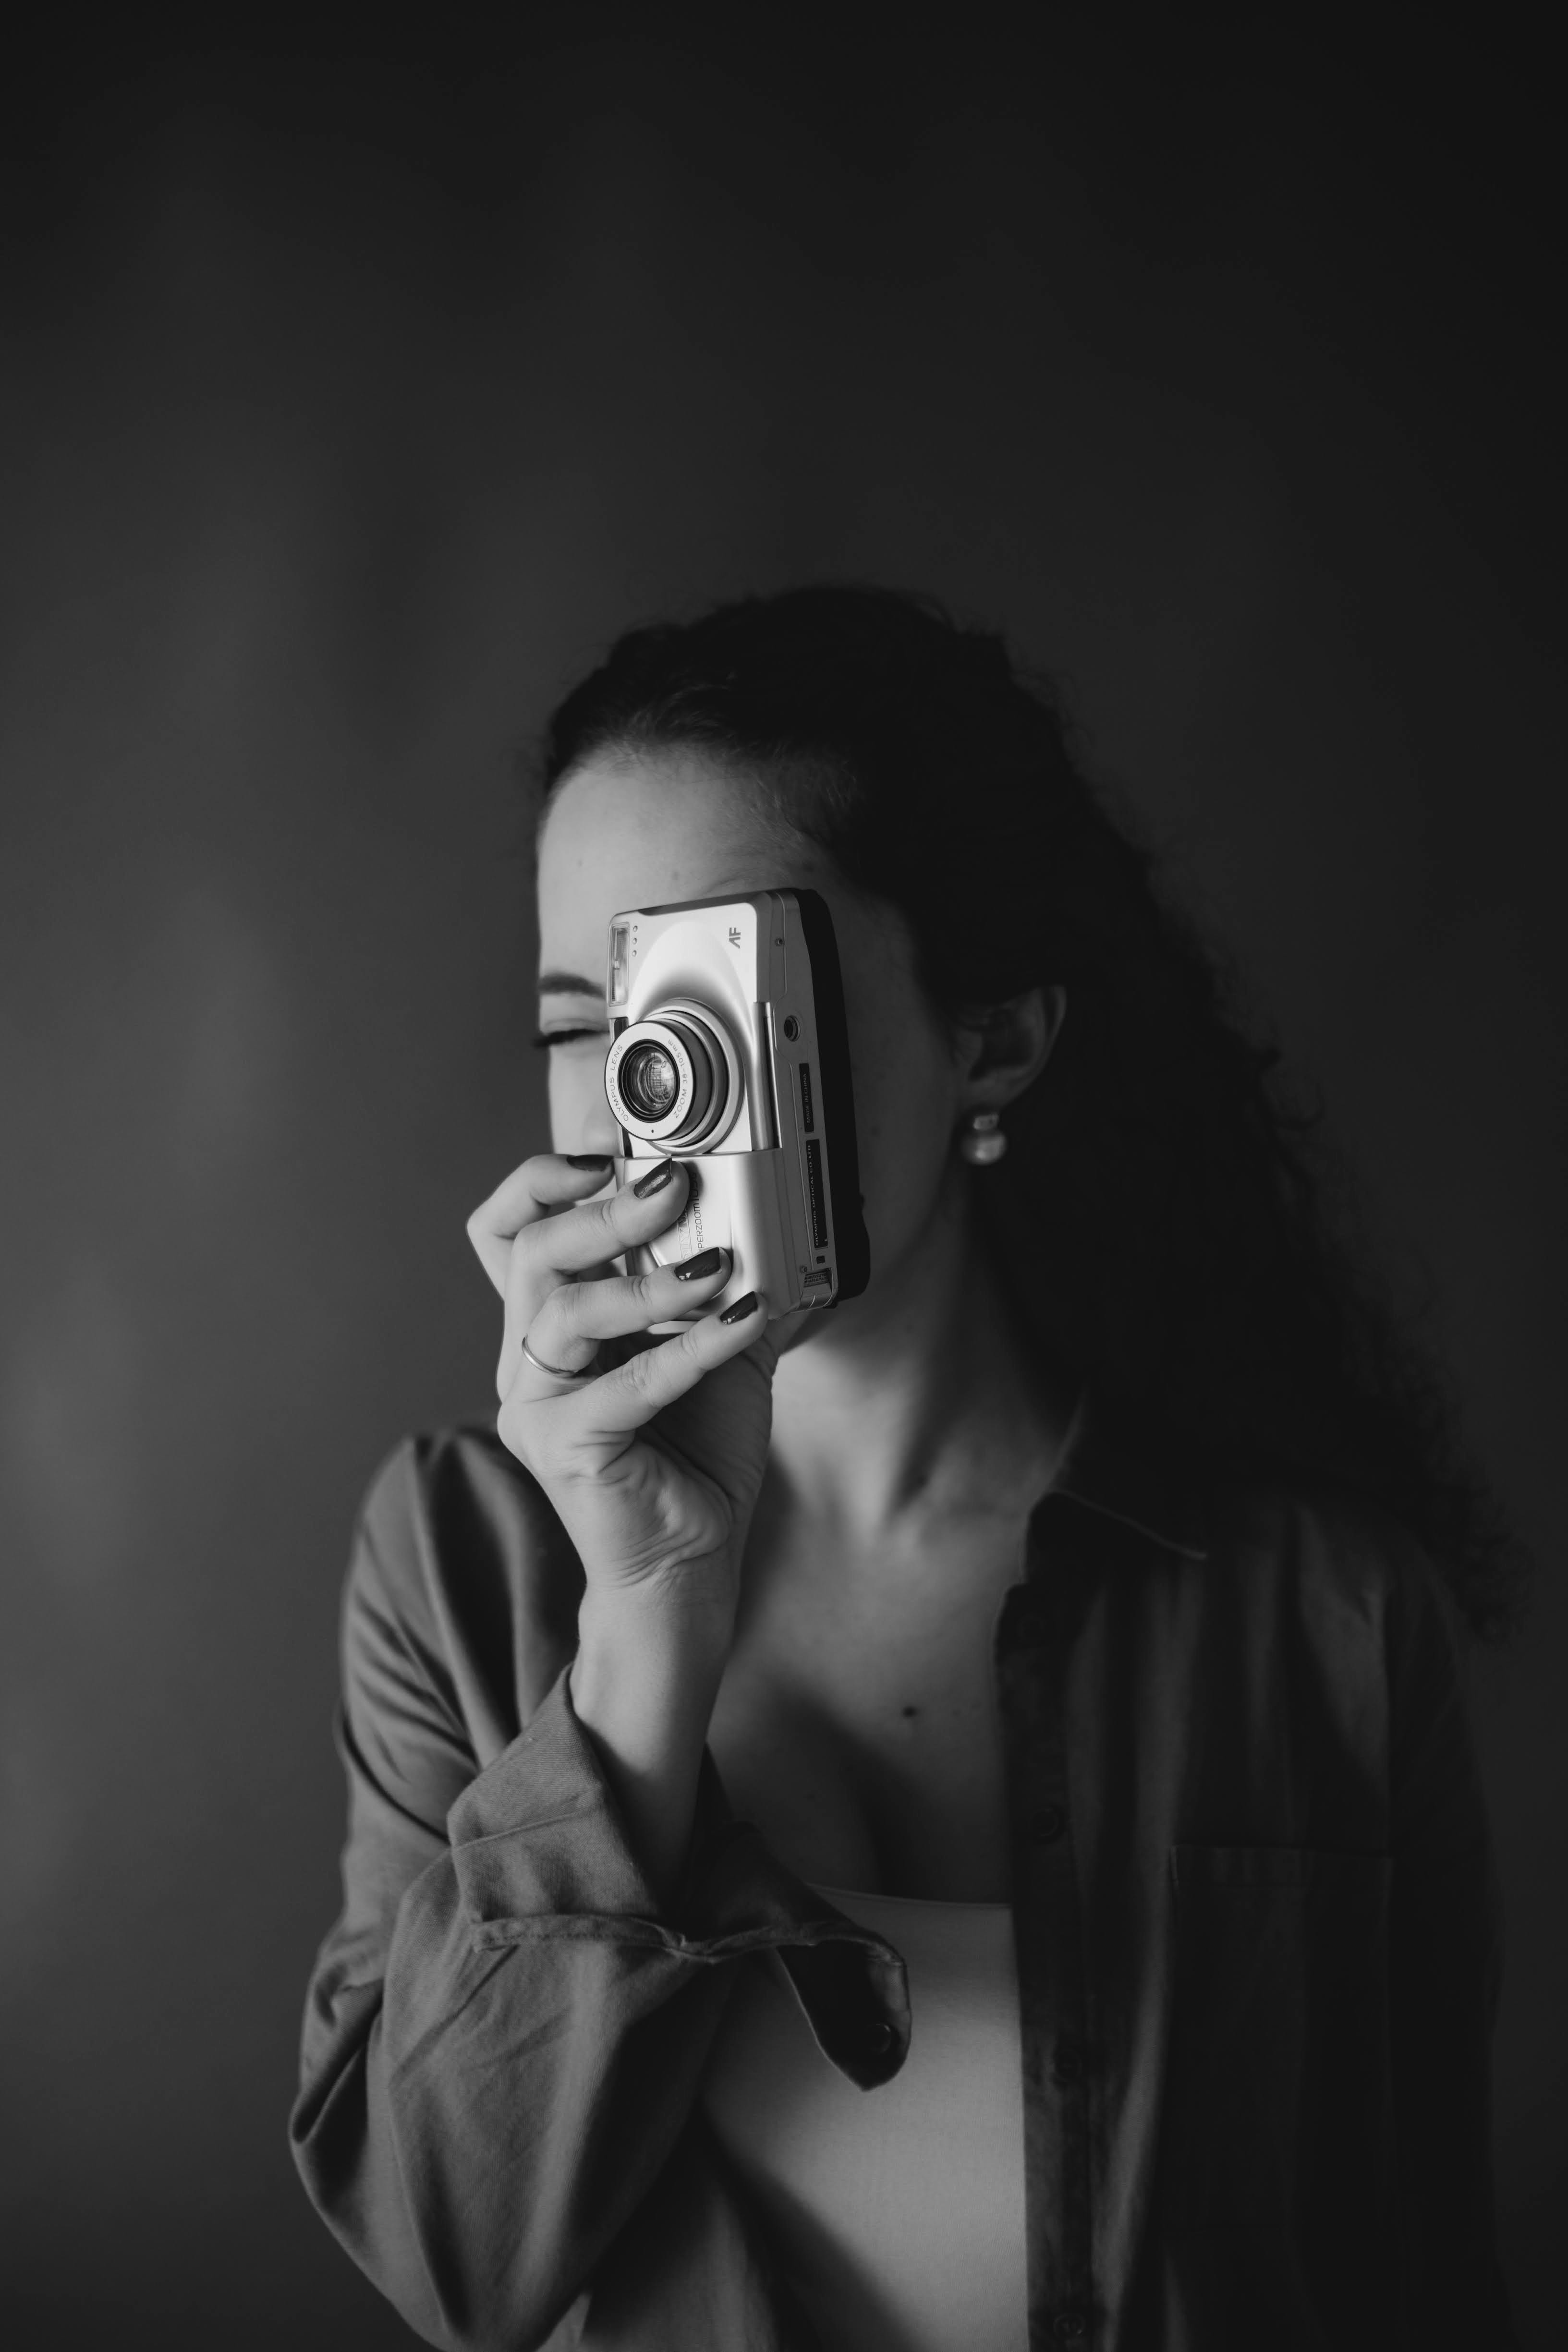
(907, 1711)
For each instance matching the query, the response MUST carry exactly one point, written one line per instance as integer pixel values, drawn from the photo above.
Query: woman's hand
(654, 1464)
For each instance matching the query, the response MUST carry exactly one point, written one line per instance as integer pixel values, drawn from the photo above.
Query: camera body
(729, 1051)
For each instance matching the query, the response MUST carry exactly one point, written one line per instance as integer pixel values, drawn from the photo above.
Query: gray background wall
(350, 402)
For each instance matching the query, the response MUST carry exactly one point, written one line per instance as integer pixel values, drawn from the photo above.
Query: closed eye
(547, 1037)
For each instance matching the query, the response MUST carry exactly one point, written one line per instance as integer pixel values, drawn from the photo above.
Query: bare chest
(857, 1725)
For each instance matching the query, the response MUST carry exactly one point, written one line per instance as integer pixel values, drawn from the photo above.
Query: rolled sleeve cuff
(540, 1851)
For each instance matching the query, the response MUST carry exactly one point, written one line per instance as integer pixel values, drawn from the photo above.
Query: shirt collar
(1118, 1472)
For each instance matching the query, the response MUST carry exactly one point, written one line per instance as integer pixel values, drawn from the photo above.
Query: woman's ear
(1004, 1047)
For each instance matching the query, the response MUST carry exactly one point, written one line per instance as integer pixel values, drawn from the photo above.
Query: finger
(578, 1315)
(583, 1241)
(631, 1395)
(551, 1180)
(567, 1326)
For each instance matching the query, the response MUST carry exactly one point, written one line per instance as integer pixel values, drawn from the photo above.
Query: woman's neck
(917, 1397)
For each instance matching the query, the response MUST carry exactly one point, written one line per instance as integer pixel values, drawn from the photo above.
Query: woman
(1025, 1693)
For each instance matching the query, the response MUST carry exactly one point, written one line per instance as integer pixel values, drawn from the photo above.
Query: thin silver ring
(558, 1371)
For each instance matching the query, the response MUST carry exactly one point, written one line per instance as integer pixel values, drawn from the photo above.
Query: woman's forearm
(643, 1685)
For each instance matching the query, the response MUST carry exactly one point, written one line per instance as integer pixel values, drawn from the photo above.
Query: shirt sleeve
(504, 2037)
(1445, 1969)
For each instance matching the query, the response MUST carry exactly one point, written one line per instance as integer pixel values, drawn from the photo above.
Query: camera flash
(620, 943)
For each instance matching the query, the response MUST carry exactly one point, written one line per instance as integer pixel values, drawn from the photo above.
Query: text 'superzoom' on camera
(728, 1049)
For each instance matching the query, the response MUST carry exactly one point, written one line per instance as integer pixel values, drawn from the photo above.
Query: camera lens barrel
(671, 1080)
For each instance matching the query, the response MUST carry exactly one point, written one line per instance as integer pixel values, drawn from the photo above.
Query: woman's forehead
(630, 831)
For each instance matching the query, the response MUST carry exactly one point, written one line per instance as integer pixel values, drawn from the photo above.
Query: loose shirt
(1254, 1911)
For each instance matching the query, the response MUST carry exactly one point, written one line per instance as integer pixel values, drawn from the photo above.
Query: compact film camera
(729, 1050)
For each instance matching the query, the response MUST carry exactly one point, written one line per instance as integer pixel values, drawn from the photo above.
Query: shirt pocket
(1278, 2105)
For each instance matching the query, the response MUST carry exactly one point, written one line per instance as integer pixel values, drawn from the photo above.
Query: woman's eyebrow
(569, 983)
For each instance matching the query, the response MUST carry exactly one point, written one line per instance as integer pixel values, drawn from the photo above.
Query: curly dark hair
(1162, 1212)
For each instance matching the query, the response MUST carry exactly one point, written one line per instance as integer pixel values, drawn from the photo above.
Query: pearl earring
(982, 1142)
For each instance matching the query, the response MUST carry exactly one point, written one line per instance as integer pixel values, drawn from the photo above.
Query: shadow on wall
(337, 441)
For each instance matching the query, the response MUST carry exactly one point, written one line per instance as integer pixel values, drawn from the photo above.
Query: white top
(897, 2213)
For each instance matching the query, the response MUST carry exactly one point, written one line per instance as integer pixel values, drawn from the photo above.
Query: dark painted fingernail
(587, 1159)
(654, 1181)
(740, 1310)
(705, 1261)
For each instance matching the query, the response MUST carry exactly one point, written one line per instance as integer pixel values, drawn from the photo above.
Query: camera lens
(667, 1077)
(649, 1081)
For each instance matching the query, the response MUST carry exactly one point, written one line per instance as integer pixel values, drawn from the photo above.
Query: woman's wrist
(679, 1627)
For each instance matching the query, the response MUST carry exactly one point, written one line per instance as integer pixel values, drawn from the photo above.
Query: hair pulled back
(1158, 1215)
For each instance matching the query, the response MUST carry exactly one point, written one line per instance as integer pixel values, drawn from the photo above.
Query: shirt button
(1072, 2326)
(879, 2040)
(1046, 1825)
